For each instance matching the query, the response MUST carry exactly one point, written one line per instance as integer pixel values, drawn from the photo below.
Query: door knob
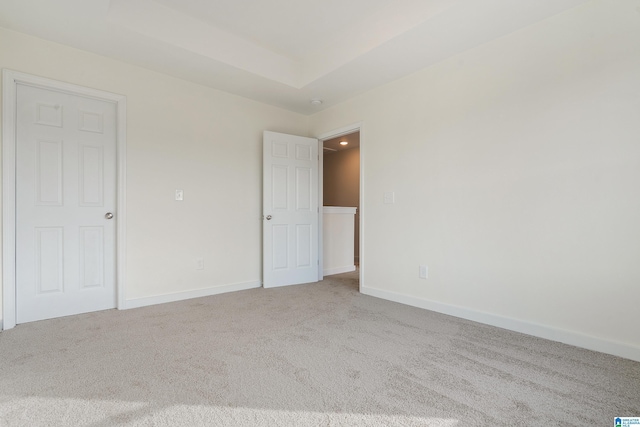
(108, 215)
(269, 217)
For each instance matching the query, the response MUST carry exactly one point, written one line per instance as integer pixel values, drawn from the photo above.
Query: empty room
(177, 248)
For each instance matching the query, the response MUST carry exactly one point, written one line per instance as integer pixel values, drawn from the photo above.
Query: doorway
(341, 179)
(341, 191)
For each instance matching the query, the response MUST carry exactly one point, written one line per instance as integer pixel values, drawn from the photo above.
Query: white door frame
(356, 127)
(10, 81)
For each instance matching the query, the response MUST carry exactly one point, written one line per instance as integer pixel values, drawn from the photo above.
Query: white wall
(180, 135)
(516, 168)
(338, 228)
(515, 165)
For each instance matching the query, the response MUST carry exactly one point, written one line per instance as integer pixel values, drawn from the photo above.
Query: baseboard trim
(529, 328)
(197, 293)
(338, 270)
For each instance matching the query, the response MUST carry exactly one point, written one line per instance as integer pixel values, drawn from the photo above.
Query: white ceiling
(281, 52)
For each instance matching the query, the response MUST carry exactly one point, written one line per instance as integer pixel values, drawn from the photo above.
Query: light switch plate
(179, 195)
(423, 272)
(389, 197)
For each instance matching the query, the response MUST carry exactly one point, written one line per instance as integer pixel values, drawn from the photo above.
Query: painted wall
(338, 228)
(516, 171)
(341, 184)
(515, 168)
(180, 136)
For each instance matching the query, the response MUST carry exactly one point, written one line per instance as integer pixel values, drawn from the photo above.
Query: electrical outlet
(423, 272)
(200, 264)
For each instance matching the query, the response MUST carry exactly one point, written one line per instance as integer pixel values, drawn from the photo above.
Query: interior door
(290, 209)
(65, 204)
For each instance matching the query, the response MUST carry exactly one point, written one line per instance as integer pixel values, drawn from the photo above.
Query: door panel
(280, 246)
(91, 257)
(91, 175)
(279, 184)
(303, 189)
(49, 260)
(48, 173)
(65, 183)
(304, 251)
(290, 208)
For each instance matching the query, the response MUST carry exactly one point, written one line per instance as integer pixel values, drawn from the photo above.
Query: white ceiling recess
(280, 52)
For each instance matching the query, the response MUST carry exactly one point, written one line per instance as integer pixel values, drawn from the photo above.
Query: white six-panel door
(290, 209)
(65, 189)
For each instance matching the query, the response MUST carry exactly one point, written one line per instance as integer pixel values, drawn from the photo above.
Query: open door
(290, 209)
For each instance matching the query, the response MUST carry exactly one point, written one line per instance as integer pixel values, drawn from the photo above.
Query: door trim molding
(352, 128)
(10, 80)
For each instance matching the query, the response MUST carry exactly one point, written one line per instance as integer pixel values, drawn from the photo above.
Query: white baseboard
(179, 296)
(542, 331)
(338, 270)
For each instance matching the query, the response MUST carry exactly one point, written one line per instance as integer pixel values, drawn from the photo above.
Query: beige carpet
(319, 354)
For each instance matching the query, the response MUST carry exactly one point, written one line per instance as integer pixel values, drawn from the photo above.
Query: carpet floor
(310, 355)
